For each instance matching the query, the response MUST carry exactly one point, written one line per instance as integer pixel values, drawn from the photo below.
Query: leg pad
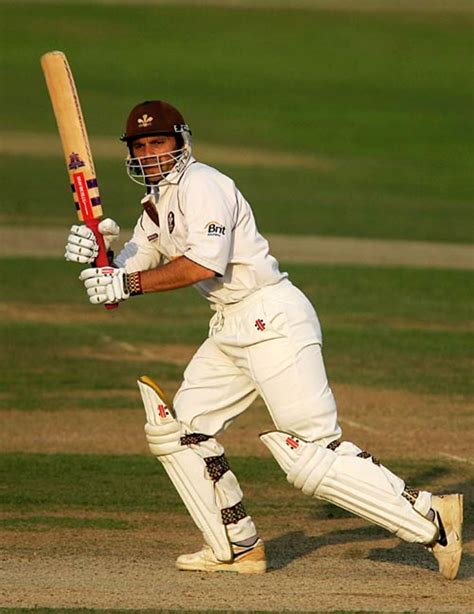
(341, 475)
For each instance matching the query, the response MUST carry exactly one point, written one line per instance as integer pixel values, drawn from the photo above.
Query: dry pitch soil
(327, 564)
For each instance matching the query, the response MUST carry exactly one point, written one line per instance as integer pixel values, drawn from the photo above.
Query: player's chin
(153, 177)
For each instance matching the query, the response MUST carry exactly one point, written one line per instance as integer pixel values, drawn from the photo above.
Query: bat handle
(102, 258)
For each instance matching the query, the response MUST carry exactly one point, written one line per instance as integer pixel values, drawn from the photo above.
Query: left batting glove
(110, 285)
(81, 243)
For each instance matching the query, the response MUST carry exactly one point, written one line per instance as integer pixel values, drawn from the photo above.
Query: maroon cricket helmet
(154, 117)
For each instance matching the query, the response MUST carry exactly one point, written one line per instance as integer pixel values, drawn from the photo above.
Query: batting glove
(82, 245)
(110, 285)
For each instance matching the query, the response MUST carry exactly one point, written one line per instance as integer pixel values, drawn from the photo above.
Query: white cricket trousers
(269, 344)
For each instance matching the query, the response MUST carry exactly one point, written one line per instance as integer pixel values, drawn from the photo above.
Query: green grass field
(382, 98)
(363, 198)
(391, 328)
(44, 484)
(385, 98)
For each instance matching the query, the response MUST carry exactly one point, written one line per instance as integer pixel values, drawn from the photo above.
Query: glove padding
(82, 245)
(105, 285)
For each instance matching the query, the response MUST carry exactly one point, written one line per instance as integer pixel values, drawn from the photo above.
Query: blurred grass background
(382, 98)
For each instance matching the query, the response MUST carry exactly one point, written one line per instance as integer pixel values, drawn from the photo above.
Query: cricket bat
(76, 148)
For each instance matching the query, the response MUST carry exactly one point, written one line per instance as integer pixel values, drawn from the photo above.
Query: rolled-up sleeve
(138, 254)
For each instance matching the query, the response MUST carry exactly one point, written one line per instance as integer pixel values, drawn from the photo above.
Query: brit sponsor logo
(75, 161)
(214, 229)
(152, 237)
(292, 442)
(260, 324)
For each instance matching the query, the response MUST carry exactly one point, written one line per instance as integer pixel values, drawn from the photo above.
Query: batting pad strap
(232, 515)
(411, 494)
(193, 439)
(216, 466)
(227, 490)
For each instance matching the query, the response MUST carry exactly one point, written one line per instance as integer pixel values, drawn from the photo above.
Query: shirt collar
(175, 176)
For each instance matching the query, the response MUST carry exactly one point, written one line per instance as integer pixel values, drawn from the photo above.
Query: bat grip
(102, 259)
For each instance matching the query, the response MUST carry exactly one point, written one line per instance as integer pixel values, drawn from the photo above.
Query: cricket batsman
(196, 228)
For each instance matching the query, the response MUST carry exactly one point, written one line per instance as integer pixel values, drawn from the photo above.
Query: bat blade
(76, 148)
(72, 130)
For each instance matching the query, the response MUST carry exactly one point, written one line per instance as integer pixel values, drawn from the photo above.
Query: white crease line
(460, 459)
(128, 347)
(362, 427)
(310, 249)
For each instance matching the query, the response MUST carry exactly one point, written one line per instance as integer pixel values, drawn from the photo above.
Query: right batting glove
(81, 243)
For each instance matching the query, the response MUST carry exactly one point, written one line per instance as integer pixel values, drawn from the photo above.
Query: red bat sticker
(82, 193)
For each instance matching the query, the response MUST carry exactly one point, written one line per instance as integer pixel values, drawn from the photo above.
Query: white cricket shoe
(246, 560)
(448, 548)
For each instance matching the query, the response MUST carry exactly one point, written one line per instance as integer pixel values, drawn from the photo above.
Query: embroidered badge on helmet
(145, 120)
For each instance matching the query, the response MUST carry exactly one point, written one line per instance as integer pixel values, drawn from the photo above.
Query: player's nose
(148, 151)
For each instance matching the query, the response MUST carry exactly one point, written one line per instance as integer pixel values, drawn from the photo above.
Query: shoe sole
(250, 567)
(449, 557)
(253, 563)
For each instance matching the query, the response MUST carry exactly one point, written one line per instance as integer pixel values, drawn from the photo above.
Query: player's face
(152, 151)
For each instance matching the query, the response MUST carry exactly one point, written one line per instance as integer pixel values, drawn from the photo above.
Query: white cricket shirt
(203, 216)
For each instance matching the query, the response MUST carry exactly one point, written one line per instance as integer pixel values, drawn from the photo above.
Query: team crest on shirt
(170, 221)
(214, 229)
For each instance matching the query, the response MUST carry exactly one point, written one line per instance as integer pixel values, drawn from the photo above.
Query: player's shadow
(415, 556)
(284, 549)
